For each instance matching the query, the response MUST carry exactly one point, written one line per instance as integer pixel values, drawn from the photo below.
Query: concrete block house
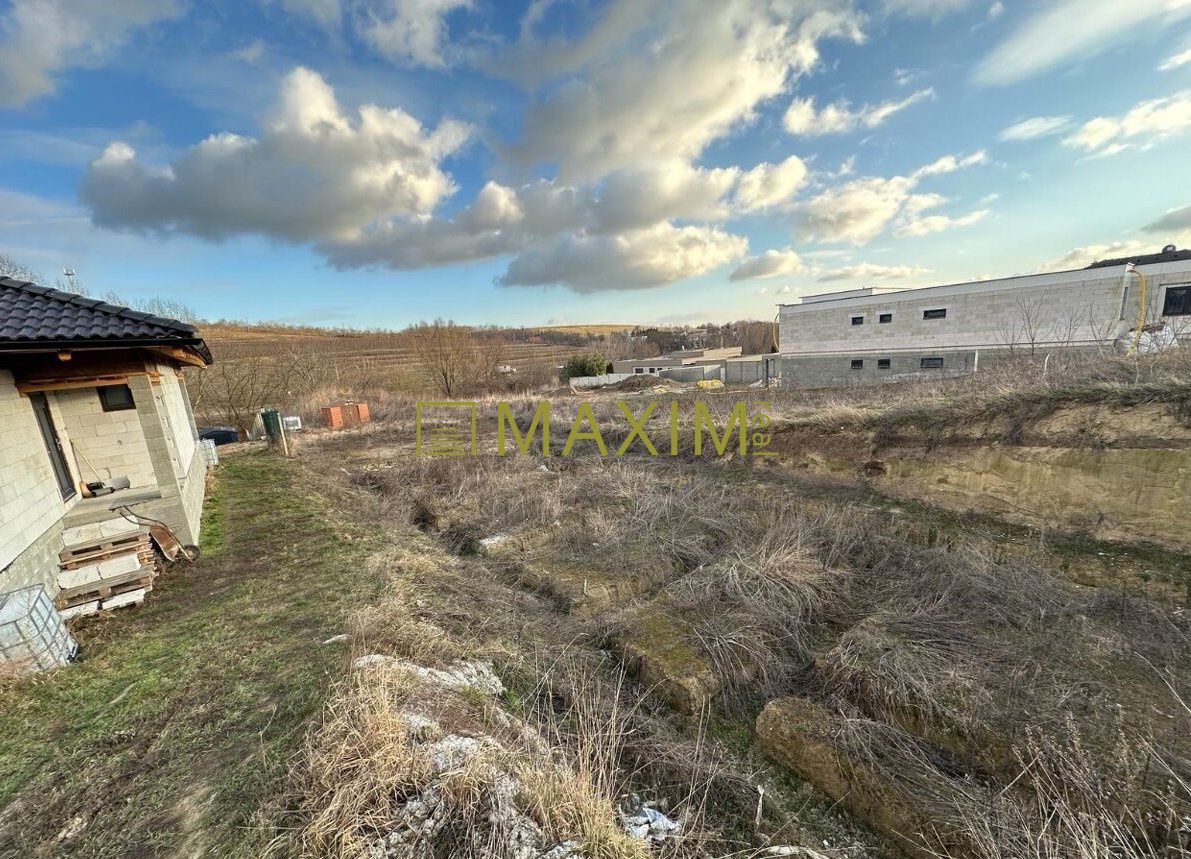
(90, 393)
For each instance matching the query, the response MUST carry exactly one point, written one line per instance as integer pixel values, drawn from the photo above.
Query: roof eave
(196, 345)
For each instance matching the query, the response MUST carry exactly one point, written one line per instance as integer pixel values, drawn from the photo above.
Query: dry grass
(939, 652)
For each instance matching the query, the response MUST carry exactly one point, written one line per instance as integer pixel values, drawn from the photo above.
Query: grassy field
(174, 732)
(644, 615)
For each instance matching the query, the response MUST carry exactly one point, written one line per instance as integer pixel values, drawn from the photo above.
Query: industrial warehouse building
(879, 334)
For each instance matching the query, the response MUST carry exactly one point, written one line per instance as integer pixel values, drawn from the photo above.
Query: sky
(372, 163)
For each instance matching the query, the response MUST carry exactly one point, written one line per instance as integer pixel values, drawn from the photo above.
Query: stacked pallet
(104, 566)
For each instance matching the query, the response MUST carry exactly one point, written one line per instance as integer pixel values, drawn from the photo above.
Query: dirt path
(173, 733)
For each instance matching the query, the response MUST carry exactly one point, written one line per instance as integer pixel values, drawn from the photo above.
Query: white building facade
(874, 334)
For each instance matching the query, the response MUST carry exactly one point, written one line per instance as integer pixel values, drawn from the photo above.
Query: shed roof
(36, 317)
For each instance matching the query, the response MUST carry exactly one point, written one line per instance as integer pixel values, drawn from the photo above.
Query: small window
(638, 369)
(857, 320)
(116, 398)
(1178, 301)
(857, 363)
(884, 318)
(937, 313)
(930, 363)
(883, 364)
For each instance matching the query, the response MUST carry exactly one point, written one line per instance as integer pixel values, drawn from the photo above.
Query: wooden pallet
(143, 548)
(86, 553)
(104, 588)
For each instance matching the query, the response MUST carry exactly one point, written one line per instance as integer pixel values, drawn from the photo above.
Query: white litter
(649, 824)
(336, 639)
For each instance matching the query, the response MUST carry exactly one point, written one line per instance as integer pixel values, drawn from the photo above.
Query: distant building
(683, 358)
(879, 334)
(92, 403)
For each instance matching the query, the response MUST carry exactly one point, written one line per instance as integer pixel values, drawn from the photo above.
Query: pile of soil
(636, 383)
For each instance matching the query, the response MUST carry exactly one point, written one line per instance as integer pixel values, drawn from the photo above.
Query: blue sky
(376, 162)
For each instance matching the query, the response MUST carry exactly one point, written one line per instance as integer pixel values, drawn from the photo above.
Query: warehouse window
(1178, 301)
(930, 363)
(937, 313)
(883, 364)
(885, 317)
(857, 320)
(638, 369)
(115, 398)
(857, 363)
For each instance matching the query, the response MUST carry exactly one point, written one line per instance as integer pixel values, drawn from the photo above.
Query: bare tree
(17, 270)
(233, 392)
(453, 356)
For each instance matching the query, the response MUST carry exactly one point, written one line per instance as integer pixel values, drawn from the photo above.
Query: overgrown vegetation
(176, 729)
(989, 680)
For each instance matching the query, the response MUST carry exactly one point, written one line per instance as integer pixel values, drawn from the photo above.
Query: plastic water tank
(32, 634)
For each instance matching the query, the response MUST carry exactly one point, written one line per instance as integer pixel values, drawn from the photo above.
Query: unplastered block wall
(106, 444)
(30, 504)
(173, 406)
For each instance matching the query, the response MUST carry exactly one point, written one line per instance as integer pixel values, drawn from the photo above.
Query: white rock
(336, 639)
(495, 541)
(374, 659)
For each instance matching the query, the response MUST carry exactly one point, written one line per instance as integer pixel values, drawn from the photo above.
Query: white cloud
(856, 211)
(769, 184)
(870, 271)
(1140, 126)
(924, 8)
(1085, 256)
(1065, 31)
(861, 209)
(652, 80)
(839, 117)
(643, 258)
(250, 53)
(1037, 126)
(314, 173)
(925, 225)
(40, 38)
(951, 163)
(551, 226)
(769, 264)
(410, 31)
(1172, 227)
(995, 10)
(364, 190)
(1176, 61)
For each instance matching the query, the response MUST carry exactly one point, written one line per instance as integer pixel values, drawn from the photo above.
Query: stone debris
(374, 659)
(468, 674)
(489, 544)
(421, 824)
(794, 851)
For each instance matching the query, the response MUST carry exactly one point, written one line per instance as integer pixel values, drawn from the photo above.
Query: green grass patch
(176, 727)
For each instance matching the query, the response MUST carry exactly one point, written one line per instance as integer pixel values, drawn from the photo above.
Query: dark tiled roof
(32, 315)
